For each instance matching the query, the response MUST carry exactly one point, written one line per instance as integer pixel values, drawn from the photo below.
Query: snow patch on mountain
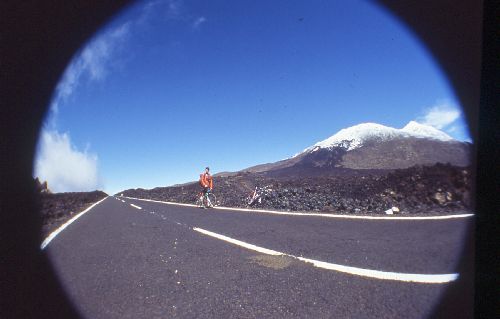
(355, 136)
(425, 131)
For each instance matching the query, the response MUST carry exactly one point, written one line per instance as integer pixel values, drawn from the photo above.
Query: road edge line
(52, 235)
(316, 214)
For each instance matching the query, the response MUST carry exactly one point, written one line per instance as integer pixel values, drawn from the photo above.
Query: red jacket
(206, 180)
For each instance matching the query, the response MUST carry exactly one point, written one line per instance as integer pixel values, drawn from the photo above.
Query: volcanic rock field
(438, 189)
(58, 208)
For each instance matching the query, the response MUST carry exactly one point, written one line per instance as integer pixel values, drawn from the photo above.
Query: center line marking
(138, 207)
(384, 275)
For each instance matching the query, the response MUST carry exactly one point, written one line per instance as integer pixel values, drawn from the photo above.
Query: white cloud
(448, 117)
(440, 115)
(58, 161)
(99, 56)
(147, 10)
(92, 64)
(64, 167)
(198, 22)
(452, 129)
(174, 9)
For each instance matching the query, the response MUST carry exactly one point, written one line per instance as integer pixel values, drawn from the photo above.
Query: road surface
(128, 258)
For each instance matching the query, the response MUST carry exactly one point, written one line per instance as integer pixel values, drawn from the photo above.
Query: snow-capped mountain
(356, 136)
(425, 131)
(374, 147)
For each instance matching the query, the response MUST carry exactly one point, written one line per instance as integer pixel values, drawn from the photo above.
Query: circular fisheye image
(255, 159)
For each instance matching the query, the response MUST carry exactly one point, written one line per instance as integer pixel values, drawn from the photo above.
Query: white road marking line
(318, 214)
(420, 278)
(348, 216)
(161, 202)
(135, 206)
(66, 224)
(384, 275)
(238, 242)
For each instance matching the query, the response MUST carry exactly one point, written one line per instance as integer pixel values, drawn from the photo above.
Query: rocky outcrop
(41, 187)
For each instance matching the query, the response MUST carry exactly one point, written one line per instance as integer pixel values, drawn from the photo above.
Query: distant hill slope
(404, 153)
(371, 146)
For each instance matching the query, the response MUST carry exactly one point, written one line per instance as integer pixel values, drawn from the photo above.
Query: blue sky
(169, 87)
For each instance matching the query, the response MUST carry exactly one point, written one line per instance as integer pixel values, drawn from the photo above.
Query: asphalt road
(118, 261)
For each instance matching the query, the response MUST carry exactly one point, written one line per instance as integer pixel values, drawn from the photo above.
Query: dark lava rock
(41, 187)
(58, 208)
(441, 188)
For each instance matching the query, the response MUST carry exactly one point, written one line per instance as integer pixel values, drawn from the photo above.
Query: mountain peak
(355, 136)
